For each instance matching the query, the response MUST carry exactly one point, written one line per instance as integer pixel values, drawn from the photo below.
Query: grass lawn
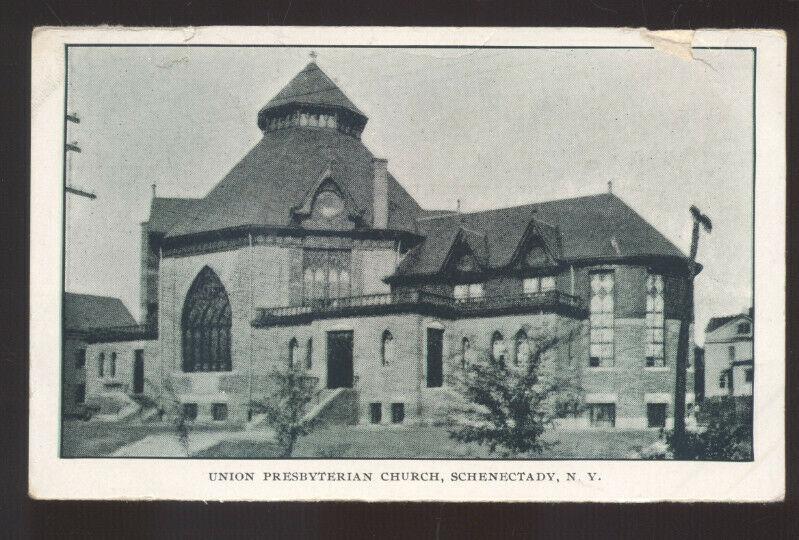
(93, 439)
(431, 442)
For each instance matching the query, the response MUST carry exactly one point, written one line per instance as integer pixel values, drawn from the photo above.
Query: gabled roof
(166, 212)
(87, 312)
(312, 86)
(277, 173)
(717, 322)
(593, 227)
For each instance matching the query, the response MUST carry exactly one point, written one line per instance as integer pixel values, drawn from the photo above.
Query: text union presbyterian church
(309, 252)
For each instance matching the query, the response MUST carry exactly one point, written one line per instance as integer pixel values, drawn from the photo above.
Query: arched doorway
(206, 325)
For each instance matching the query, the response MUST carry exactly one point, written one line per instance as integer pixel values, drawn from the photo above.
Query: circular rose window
(329, 204)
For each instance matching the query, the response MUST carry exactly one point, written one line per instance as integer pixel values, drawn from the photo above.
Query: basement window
(190, 411)
(219, 412)
(397, 413)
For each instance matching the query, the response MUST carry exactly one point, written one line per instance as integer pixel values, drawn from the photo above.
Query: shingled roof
(84, 312)
(593, 227)
(166, 212)
(717, 322)
(312, 86)
(275, 175)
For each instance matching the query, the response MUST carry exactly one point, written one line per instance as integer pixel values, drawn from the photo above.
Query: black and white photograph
(439, 253)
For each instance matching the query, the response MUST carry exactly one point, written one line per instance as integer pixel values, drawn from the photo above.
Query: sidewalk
(167, 445)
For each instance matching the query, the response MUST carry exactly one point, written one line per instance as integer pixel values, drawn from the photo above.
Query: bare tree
(287, 406)
(508, 407)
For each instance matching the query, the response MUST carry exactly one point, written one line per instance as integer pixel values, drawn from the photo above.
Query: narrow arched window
(101, 365)
(498, 346)
(521, 350)
(206, 325)
(465, 346)
(387, 348)
(112, 371)
(293, 345)
(309, 354)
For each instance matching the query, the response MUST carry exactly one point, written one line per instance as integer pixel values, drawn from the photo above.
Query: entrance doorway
(138, 371)
(339, 359)
(656, 414)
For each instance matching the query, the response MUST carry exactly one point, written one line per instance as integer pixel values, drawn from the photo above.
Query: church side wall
(253, 276)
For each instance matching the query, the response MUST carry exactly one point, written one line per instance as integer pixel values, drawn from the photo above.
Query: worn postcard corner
(407, 264)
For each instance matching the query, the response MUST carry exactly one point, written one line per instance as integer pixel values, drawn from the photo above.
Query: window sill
(657, 368)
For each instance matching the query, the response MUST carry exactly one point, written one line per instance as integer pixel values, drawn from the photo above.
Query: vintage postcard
(407, 264)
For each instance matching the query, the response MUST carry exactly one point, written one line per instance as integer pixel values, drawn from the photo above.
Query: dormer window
(466, 263)
(537, 256)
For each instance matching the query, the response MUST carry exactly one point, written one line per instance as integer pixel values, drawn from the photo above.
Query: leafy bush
(507, 408)
(725, 430)
(285, 409)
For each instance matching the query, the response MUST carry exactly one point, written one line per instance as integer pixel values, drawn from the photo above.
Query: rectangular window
(602, 414)
(397, 413)
(80, 393)
(435, 350)
(654, 320)
(466, 292)
(602, 323)
(190, 411)
(101, 365)
(80, 358)
(219, 412)
(375, 413)
(744, 328)
(656, 414)
(535, 285)
(750, 375)
(112, 371)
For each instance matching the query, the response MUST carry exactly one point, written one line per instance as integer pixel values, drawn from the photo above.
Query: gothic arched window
(497, 346)
(206, 325)
(309, 354)
(465, 346)
(387, 348)
(522, 349)
(293, 346)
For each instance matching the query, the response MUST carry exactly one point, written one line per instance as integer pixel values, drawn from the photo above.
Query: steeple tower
(311, 99)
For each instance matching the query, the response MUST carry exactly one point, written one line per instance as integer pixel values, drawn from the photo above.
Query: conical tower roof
(310, 87)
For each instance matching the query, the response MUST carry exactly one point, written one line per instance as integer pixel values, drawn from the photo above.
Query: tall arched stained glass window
(206, 325)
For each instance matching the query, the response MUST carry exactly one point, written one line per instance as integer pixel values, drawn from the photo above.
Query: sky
(491, 127)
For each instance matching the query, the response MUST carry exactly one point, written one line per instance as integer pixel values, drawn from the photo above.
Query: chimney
(380, 193)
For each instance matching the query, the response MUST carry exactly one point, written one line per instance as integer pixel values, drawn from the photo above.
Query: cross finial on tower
(313, 55)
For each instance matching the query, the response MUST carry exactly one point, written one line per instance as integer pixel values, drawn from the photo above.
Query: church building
(309, 252)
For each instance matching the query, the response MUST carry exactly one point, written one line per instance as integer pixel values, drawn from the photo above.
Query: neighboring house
(83, 315)
(310, 252)
(729, 359)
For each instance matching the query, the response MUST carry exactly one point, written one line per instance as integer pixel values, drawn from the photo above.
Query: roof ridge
(516, 206)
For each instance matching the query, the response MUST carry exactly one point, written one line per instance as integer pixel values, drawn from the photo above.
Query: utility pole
(682, 344)
(74, 148)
